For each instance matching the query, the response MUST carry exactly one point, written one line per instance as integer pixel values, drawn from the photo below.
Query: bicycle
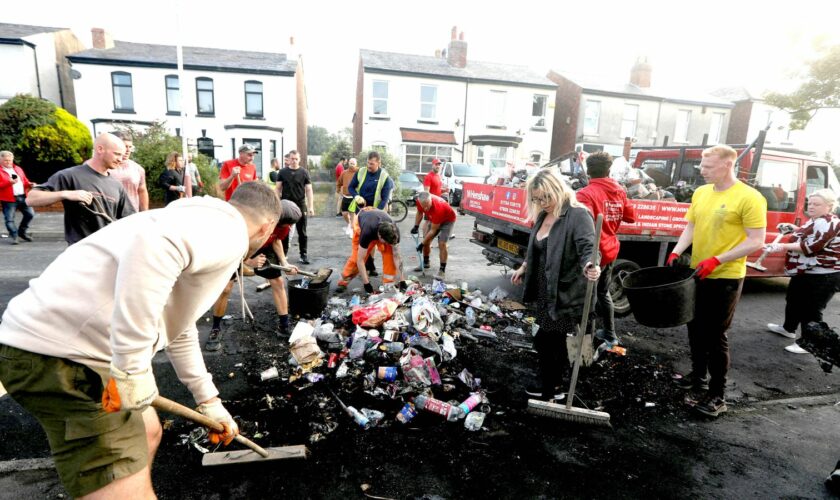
(398, 210)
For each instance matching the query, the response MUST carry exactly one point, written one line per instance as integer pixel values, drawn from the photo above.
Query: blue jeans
(9, 208)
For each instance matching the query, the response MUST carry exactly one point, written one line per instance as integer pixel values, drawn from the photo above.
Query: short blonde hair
(722, 151)
(550, 182)
(827, 196)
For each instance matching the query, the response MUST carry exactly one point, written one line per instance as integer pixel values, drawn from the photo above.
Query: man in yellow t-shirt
(726, 222)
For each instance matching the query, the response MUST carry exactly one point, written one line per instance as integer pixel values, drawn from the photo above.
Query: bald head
(108, 151)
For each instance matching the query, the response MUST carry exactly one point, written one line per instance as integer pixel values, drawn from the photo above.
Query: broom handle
(169, 406)
(584, 322)
(299, 271)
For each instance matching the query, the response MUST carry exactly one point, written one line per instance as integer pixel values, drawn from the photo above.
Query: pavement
(779, 438)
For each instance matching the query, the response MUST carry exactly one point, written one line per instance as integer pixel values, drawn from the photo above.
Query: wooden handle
(300, 271)
(169, 406)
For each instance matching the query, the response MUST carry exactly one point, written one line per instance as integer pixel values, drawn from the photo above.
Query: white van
(456, 174)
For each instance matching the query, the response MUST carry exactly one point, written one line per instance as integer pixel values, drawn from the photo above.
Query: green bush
(338, 150)
(43, 137)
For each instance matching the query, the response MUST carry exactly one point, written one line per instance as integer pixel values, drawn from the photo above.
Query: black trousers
(553, 356)
(303, 239)
(807, 298)
(605, 308)
(713, 312)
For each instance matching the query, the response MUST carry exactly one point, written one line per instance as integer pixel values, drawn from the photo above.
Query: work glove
(368, 288)
(706, 267)
(772, 247)
(217, 412)
(672, 259)
(785, 227)
(415, 229)
(360, 202)
(402, 286)
(180, 189)
(129, 391)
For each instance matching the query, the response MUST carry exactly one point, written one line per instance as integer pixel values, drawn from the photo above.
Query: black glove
(419, 247)
(403, 286)
(415, 229)
(368, 288)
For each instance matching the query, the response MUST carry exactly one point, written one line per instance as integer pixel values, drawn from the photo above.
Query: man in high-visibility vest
(375, 186)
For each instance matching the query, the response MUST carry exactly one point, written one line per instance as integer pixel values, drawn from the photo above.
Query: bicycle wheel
(397, 210)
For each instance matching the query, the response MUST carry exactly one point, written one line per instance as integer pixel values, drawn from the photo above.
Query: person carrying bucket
(726, 222)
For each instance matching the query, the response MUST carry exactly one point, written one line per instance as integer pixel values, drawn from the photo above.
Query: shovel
(757, 264)
(269, 270)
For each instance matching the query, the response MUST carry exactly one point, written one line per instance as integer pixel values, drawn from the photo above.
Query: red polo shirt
(440, 212)
(246, 173)
(432, 181)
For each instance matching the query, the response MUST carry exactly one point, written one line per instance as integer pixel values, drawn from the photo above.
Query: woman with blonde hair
(813, 263)
(172, 179)
(555, 272)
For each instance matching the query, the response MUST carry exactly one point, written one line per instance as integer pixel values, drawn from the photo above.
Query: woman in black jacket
(555, 272)
(172, 179)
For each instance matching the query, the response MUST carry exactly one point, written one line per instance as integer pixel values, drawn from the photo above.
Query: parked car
(410, 183)
(456, 174)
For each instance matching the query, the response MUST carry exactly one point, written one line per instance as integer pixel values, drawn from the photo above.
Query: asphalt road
(779, 438)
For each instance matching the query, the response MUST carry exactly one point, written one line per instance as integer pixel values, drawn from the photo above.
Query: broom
(567, 411)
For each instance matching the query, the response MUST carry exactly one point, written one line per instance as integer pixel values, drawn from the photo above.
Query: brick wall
(566, 112)
(739, 123)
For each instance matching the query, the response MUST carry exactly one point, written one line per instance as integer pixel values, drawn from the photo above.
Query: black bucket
(308, 302)
(661, 297)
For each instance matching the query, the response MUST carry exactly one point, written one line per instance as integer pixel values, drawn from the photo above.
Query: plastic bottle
(360, 419)
(391, 347)
(470, 403)
(356, 300)
(470, 312)
(437, 406)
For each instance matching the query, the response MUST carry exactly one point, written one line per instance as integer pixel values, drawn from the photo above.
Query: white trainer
(773, 327)
(794, 348)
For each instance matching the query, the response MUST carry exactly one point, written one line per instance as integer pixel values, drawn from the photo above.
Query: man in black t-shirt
(293, 184)
(91, 198)
(373, 229)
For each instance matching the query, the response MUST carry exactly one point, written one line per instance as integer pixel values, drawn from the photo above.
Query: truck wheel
(620, 302)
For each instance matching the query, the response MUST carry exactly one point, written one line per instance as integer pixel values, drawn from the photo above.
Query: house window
(496, 108)
(628, 120)
(253, 99)
(123, 95)
(536, 156)
(492, 156)
(418, 157)
(428, 102)
(715, 128)
(204, 96)
(380, 97)
(591, 117)
(257, 144)
(173, 94)
(681, 129)
(538, 109)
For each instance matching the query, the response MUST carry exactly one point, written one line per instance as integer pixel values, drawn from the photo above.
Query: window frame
(374, 99)
(167, 87)
(625, 121)
(262, 99)
(198, 92)
(684, 138)
(540, 118)
(433, 104)
(492, 161)
(425, 153)
(130, 88)
(596, 105)
(721, 116)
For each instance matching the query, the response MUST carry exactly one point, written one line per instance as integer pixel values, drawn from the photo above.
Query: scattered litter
(269, 374)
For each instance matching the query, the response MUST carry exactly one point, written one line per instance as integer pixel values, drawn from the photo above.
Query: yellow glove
(125, 391)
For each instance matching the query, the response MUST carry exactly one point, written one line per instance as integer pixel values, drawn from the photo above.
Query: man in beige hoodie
(76, 347)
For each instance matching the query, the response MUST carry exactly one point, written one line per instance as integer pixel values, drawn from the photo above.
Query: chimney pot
(454, 32)
(101, 39)
(461, 36)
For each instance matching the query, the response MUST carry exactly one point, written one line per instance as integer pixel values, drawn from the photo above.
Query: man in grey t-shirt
(90, 197)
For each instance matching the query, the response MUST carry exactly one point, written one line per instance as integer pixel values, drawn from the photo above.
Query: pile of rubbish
(396, 349)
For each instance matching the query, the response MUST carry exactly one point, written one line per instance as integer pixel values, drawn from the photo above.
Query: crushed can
(387, 373)
(332, 360)
(407, 413)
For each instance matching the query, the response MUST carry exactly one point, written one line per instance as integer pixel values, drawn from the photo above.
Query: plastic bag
(376, 314)
(414, 368)
(425, 317)
(305, 350)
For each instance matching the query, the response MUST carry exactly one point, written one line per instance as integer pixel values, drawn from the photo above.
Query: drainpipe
(464, 124)
(37, 72)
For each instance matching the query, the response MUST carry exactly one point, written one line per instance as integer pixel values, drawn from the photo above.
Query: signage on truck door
(657, 217)
(504, 203)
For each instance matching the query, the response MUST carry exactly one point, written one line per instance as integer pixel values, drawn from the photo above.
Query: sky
(761, 45)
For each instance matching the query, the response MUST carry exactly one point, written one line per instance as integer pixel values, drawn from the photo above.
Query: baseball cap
(435, 162)
(247, 148)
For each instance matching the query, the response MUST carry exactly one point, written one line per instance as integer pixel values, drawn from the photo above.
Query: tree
(320, 140)
(152, 146)
(820, 90)
(340, 149)
(43, 137)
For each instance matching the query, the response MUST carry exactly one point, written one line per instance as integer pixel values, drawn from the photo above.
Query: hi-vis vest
(360, 176)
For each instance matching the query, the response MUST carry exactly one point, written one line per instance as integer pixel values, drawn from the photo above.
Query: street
(779, 438)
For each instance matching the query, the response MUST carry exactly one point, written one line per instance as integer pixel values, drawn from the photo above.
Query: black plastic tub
(661, 297)
(308, 302)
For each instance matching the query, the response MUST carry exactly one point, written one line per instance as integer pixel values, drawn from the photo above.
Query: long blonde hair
(172, 160)
(550, 182)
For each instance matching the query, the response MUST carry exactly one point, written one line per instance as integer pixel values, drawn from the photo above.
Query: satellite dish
(74, 74)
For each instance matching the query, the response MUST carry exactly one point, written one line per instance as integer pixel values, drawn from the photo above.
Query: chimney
(456, 54)
(101, 39)
(640, 74)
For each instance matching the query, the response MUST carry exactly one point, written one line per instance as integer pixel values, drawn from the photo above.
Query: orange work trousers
(351, 269)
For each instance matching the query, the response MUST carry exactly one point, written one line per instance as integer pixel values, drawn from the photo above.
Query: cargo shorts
(91, 448)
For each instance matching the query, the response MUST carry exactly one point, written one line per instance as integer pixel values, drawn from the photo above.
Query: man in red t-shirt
(441, 217)
(605, 196)
(433, 184)
(235, 172)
